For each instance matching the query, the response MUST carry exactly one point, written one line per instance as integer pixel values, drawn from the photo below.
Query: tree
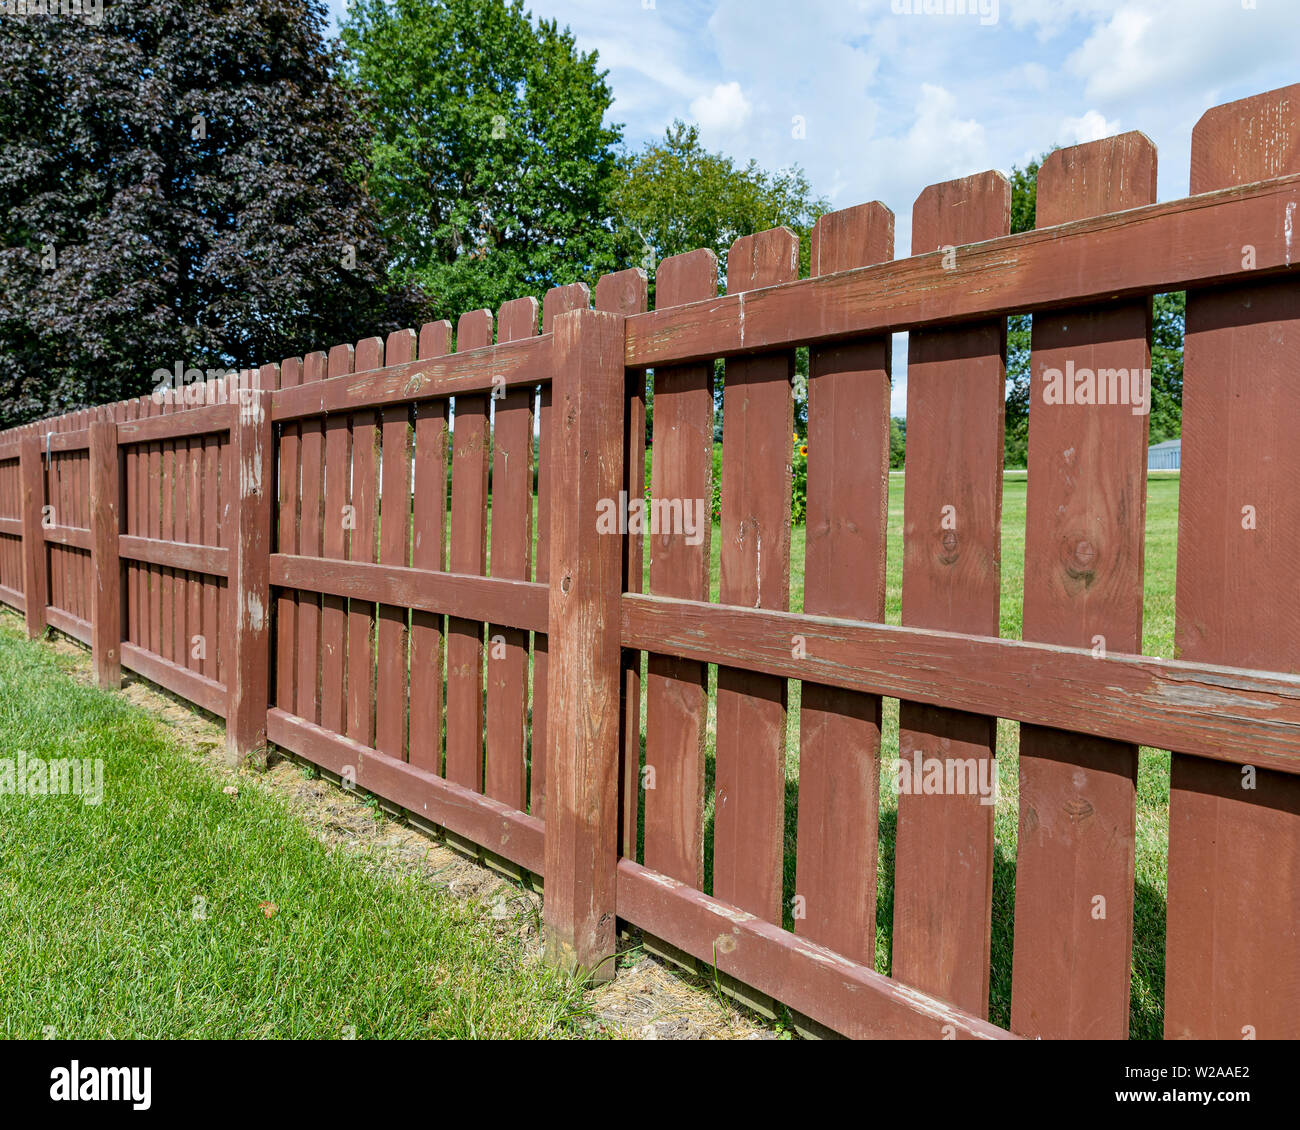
(1168, 321)
(897, 443)
(493, 166)
(1169, 317)
(182, 182)
(675, 196)
(1024, 200)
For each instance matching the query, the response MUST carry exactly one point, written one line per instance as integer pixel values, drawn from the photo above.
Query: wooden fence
(284, 556)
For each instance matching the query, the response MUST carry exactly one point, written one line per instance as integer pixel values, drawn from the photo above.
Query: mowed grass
(173, 910)
(1147, 997)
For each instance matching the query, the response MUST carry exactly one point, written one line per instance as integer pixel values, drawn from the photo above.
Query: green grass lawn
(146, 916)
(1146, 1017)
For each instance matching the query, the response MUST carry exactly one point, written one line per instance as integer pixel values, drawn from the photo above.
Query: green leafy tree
(181, 182)
(675, 196)
(897, 443)
(1168, 323)
(1024, 199)
(493, 165)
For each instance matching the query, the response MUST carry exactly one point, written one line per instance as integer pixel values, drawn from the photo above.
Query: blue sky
(891, 102)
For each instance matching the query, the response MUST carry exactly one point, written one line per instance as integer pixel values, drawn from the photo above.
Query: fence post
(35, 576)
(105, 565)
(583, 708)
(249, 672)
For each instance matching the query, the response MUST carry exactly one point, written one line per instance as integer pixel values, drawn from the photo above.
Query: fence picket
(1084, 540)
(627, 292)
(556, 301)
(943, 858)
(505, 776)
(185, 581)
(844, 575)
(391, 637)
(194, 533)
(168, 589)
(1233, 950)
(152, 575)
(135, 462)
(334, 541)
(361, 546)
(681, 467)
(289, 482)
(428, 551)
(35, 574)
(310, 544)
(757, 423)
(467, 554)
(212, 595)
(53, 496)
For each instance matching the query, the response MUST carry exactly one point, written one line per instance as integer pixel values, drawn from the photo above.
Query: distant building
(1167, 456)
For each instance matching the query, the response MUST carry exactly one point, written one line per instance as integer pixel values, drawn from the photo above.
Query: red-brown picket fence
(283, 556)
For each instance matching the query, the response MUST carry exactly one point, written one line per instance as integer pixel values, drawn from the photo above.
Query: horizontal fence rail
(395, 559)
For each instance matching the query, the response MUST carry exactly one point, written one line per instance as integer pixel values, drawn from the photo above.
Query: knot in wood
(1080, 557)
(949, 542)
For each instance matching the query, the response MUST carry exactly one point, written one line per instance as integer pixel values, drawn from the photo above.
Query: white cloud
(725, 109)
(1092, 126)
(1171, 46)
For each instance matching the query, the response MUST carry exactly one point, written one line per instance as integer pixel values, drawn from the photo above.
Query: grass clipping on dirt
(175, 908)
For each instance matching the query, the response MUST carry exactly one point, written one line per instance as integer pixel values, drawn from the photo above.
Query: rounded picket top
(1249, 140)
(561, 299)
(399, 347)
(342, 360)
(474, 330)
(623, 292)
(314, 366)
(1096, 177)
(968, 209)
(291, 372)
(517, 319)
(369, 354)
(765, 258)
(852, 237)
(689, 277)
(435, 339)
